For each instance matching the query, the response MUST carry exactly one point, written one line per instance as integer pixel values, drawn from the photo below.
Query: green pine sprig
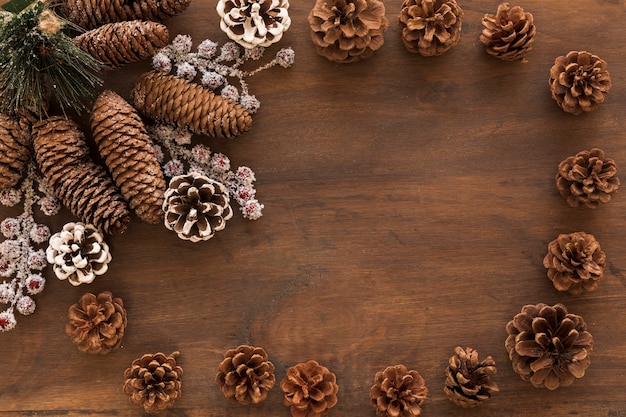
(39, 61)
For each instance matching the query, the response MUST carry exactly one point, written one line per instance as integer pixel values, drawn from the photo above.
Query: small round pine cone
(154, 382)
(246, 375)
(587, 179)
(97, 323)
(346, 31)
(15, 150)
(398, 391)
(78, 253)
(575, 262)
(196, 207)
(548, 346)
(468, 380)
(579, 82)
(309, 389)
(509, 34)
(430, 27)
(251, 23)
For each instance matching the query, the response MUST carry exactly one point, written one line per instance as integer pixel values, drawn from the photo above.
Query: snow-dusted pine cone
(246, 375)
(97, 323)
(398, 391)
(548, 346)
(579, 82)
(468, 380)
(309, 389)
(78, 253)
(15, 151)
(430, 27)
(253, 23)
(575, 262)
(508, 34)
(196, 206)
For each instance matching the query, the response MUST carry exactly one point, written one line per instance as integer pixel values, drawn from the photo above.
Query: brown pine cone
(246, 375)
(430, 27)
(15, 151)
(309, 389)
(196, 207)
(348, 30)
(120, 43)
(97, 323)
(575, 262)
(84, 187)
(398, 392)
(90, 14)
(548, 346)
(579, 82)
(185, 104)
(587, 178)
(128, 153)
(509, 34)
(468, 380)
(154, 382)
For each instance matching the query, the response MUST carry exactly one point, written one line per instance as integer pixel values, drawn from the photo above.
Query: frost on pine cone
(129, 155)
(15, 151)
(579, 82)
(196, 207)
(398, 391)
(468, 380)
(78, 253)
(309, 389)
(430, 27)
(96, 323)
(587, 179)
(188, 105)
(509, 34)
(153, 382)
(119, 43)
(575, 262)
(90, 14)
(548, 346)
(246, 375)
(83, 186)
(346, 31)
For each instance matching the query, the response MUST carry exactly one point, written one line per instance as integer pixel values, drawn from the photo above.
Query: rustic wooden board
(408, 201)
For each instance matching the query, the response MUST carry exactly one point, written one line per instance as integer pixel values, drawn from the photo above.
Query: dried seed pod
(398, 391)
(15, 151)
(508, 34)
(468, 380)
(309, 389)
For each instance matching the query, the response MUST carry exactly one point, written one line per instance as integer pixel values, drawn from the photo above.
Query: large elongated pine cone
(83, 186)
(15, 151)
(120, 43)
(430, 27)
(129, 155)
(508, 34)
(89, 14)
(548, 346)
(188, 105)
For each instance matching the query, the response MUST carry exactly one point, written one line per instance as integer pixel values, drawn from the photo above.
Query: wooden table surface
(408, 201)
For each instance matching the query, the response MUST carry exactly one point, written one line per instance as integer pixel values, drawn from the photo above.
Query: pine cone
(153, 381)
(346, 31)
(430, 27)
(90, 14)
(83, 186)
(468, 381)
(575, 262)
(185, 104)
(398, 392)
(15, 151)
(97, 323)
(78, 253)
(253, 23)
(587, 178)
(128, 153)
(509, 34)
(196, 207)
(309, 389)
(120, 43)
(246, 375)
(579, 82)
(548, 346)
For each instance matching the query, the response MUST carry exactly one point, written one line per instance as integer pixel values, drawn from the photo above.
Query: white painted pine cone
(253, 23)
(78, 253)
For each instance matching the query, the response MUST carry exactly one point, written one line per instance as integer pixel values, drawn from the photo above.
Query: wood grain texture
(409, 202)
